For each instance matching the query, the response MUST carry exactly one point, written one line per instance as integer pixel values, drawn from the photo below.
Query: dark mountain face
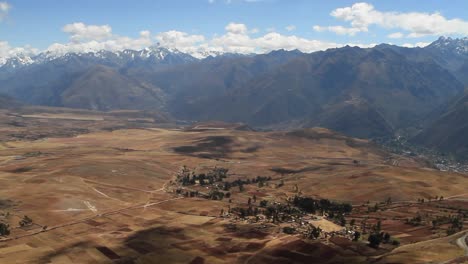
(211, 77)
(452, 54)
(449, 132)
(102, 88)
(393, 92)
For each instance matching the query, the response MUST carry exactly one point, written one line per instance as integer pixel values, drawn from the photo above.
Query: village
(310, 218)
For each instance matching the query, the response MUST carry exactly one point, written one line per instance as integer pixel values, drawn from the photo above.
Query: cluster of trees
(277, 212)
(186, 177)
(260, 180)
(281, 212)
(244, 212)
(313, 232)
(289, 230)
(430, 199)
(218, 195)
(442, 220)
(312, 205)
(415, 221)
(456, 225)
(377, 236)
(375, 239)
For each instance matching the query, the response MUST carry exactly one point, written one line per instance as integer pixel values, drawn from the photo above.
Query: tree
(4, 229)
(315, 232)
(378, 226)
(342, 221)
(356, 236)
(289, 230)
(389, 200)
(386, 237)
(374, 240)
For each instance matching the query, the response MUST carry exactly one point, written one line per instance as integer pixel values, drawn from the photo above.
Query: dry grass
(91, 190)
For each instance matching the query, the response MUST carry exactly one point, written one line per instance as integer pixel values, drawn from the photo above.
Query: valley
(115, 193)
(233, 131)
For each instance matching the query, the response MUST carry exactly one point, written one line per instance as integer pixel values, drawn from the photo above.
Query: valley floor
(107, 195)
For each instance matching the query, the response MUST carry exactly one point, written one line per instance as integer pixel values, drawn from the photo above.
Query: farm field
(112, 194)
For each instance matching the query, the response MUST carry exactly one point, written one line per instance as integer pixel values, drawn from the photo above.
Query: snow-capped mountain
(153, 54)
(17, 61)
(447, 45)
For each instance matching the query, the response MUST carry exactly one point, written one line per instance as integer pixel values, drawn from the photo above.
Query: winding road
(462, 243)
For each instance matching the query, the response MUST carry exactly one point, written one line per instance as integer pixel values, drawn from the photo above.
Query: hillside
(102, 88)
(8, 102)
(396, 91)
(448, 132)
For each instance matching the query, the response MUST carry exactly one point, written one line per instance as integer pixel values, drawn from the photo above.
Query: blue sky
(256, 25)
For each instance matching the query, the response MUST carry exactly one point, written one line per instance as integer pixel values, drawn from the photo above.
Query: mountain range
(382, 91)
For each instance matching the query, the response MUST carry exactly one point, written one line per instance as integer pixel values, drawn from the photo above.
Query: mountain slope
(102, 88)
(449, 132)
(8, 102)
(395, 91)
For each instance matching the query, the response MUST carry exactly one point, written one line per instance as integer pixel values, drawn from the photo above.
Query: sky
(244, 26)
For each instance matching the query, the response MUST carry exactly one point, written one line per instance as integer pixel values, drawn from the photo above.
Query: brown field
(97, 186)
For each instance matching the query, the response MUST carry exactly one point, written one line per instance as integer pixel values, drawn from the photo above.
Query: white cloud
(236, 28)
(244, 43)
(237, 38)
(340, 30)
(177, 39)
(418, 44)
(290, 28)
(89, 38)
(363, 15)
(4, 9)
(80, 31)
(396, 35)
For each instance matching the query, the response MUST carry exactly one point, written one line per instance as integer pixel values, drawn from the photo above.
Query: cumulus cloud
(4, 9)
(90, 38)
(236, 28)
(80, 31)
(237, 38)
(361, 16)
(178, 39)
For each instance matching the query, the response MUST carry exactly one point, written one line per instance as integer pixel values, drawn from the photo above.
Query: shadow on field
(211, 147)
